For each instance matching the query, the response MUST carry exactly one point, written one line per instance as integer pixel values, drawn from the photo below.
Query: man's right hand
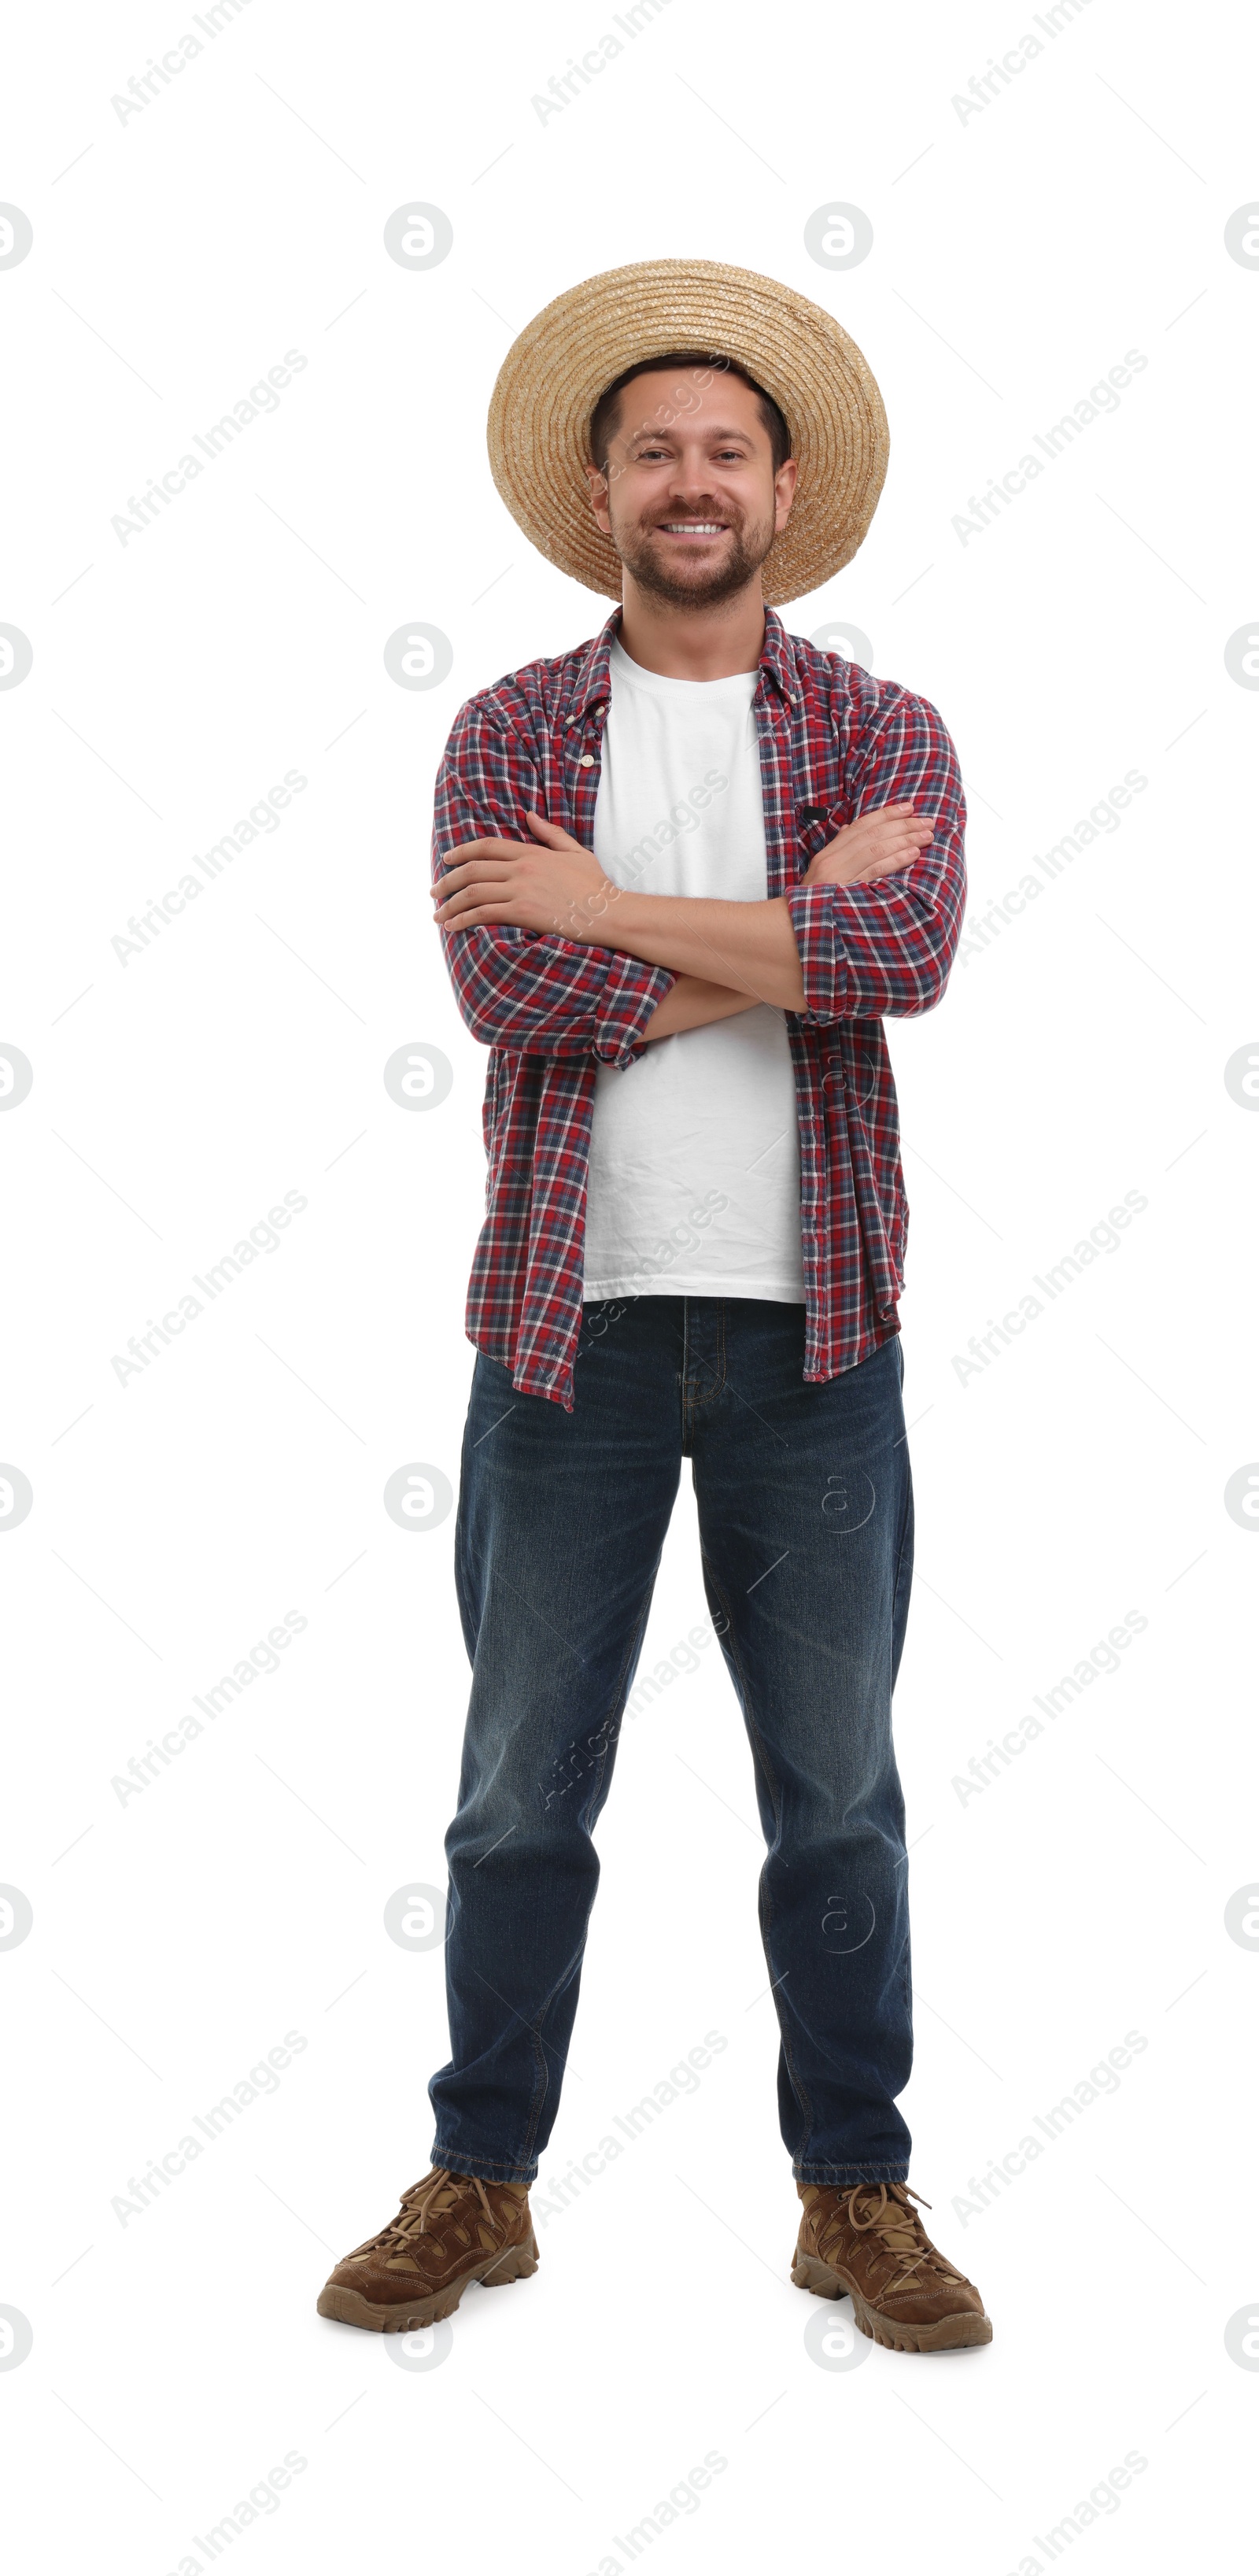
(876, 845)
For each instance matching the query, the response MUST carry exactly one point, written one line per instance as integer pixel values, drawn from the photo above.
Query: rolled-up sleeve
(529, 989)
(869, 951)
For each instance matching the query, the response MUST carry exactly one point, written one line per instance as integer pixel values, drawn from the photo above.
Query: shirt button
(587, 760)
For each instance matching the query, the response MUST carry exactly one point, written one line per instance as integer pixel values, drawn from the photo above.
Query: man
(681, 874)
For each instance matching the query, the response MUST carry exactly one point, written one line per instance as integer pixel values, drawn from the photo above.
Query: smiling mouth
(692, 527)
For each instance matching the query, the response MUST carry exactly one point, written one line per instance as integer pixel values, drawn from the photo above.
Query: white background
(1017, 255)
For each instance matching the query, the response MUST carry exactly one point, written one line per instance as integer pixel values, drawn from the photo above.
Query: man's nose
(693, 482)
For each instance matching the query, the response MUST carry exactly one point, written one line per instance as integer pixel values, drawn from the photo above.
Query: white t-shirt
(694, 1178)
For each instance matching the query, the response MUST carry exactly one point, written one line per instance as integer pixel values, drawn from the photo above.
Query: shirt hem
(776, 1292)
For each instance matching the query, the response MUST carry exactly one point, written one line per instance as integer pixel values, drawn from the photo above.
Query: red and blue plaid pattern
(834, 743)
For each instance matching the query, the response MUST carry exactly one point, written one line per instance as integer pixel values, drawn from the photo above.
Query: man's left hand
(558, 886)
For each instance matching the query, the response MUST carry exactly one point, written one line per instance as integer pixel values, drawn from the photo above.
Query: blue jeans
(805, 1508)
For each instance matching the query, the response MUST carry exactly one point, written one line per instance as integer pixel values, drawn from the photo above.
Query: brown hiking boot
(450, 2230)
(867, 2240)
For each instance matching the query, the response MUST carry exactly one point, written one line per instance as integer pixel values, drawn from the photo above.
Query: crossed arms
(548, 955)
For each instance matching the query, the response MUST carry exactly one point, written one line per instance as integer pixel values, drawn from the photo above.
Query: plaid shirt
(834, 743)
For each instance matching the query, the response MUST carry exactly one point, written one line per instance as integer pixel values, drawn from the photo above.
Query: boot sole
(948, 2334)
(349, 2307)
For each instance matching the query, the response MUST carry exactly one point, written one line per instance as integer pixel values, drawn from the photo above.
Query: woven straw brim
(553, 375)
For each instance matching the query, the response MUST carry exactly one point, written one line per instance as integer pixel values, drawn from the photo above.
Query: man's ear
(598, 482)
(784, 491)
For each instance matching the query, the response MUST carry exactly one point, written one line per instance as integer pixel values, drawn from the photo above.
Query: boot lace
(434, 2196)
(893, 2218)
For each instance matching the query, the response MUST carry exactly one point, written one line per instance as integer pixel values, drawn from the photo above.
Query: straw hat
(553, 375)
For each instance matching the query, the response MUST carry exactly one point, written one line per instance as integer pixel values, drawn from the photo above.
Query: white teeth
(694, 527)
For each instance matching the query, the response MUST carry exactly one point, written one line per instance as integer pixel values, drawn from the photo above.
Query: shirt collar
(592, 684)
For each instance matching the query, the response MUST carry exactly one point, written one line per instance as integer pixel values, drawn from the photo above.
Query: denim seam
(907, 1994)
(540, 2086)
(491, 2168)
(760, 1753)
(535, 2029)
(845, 2176)
(691, 1404)
(901, 1537)
(621, 1691)
(510, 2166)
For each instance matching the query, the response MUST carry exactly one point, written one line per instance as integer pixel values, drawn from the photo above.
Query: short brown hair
(605, 418)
